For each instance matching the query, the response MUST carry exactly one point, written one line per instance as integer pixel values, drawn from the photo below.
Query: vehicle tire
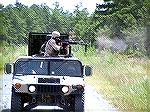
(79, 103)
(16, 102)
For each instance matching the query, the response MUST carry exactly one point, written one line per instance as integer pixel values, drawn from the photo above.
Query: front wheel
(79, 103)
(16, 102)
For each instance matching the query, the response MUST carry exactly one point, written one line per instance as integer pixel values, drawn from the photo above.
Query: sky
(66, 4)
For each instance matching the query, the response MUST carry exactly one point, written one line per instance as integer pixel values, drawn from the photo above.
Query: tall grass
(121, 80)
(10, 53)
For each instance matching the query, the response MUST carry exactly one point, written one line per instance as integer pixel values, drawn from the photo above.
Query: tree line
(124, 20)
(18, 20)
(129, 20)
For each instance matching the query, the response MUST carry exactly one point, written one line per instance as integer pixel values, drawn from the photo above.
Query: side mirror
(8, 68)
(88, 70)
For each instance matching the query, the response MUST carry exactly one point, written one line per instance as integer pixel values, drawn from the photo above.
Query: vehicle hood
(34, 79)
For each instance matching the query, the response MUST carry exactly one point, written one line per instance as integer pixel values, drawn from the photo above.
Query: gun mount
(36, 40)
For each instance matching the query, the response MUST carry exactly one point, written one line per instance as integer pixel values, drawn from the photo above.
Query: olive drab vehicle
(47, 81)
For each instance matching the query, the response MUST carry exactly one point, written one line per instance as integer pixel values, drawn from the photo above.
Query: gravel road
(93, 101)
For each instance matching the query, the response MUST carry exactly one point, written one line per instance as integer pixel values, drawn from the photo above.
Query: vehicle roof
(46, 58)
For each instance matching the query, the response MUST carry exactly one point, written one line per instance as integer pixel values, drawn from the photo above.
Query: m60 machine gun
(36, 40)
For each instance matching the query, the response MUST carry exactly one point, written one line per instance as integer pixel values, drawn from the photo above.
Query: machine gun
(36, 40)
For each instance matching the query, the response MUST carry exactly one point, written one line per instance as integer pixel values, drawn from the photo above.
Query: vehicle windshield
(49, 67)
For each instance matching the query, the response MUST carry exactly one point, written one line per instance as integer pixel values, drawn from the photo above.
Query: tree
(121, 15)
(1, 23)
(56, 21)
(122, 19)
(147, 26)
(84, 25)
(14, 24)
(45, 14)
(36, 18)
(19, 20)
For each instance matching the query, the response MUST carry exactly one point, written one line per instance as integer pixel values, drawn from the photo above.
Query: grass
(121, 80)
(9, 53)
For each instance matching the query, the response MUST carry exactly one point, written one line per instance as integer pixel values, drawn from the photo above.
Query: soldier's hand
(60, 44)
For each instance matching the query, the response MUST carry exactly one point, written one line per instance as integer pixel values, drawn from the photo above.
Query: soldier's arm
(54, 45)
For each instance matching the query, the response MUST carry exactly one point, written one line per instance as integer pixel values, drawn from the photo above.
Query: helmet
(55, 34)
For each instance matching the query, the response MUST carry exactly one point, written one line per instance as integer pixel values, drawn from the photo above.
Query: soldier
(53, 45)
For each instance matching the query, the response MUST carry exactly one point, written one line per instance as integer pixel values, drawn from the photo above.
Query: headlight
(65, 89)
(32, 88)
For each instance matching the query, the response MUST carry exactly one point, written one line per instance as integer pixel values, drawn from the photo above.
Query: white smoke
(115, 45)
(104, 43)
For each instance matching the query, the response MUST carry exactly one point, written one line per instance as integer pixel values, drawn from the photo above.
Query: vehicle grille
(49, 88)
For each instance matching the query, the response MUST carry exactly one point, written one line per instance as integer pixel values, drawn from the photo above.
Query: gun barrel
(77, 42)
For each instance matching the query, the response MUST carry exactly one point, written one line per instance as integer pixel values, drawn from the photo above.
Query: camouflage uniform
(51, 48)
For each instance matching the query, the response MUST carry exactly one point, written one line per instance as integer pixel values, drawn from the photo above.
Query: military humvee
(47, 81)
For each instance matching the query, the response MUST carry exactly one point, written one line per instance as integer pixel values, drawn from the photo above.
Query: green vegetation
(128, 19)
(9, 53)
(18, 20)
(123, 81)
(120, 78)
(122, 18)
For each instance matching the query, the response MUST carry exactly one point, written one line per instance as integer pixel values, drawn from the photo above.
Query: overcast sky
(66, 4)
